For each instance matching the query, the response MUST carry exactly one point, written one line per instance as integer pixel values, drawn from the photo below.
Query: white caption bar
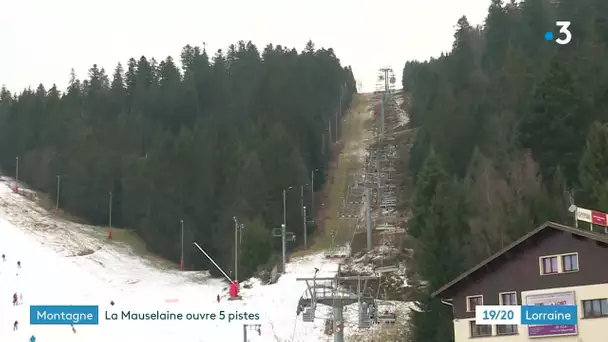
(497, 314)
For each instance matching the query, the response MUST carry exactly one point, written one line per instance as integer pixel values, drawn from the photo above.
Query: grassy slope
(353, 127)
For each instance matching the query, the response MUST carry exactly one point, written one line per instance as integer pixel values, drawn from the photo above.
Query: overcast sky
(41, 40)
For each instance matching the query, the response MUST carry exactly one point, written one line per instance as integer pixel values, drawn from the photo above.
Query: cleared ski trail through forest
(66, 263)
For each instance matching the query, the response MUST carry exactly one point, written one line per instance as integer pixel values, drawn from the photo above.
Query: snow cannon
(234, 291)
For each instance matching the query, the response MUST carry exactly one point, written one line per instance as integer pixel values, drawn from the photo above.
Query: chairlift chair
(308, 315)
(386, 313)
(308, 308)
(387, 316)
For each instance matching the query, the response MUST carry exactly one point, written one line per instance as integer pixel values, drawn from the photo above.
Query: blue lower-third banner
(545, 315)
(64, 314)
(549, 314)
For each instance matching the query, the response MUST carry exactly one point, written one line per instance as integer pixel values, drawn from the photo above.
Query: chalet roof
(552, 225)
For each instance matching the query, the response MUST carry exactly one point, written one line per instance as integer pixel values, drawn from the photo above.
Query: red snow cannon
(234, 290)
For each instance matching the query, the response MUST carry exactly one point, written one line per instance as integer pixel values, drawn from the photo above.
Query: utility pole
(368, 217)
(284, 235)
(303, 212)
(282, 232)
(283, 245)
(312, 194)
(305, 230)
(181, 262)
(236, 248)
(382, 113)
(284, 228)
(58, 188)
(256, 327)
(17, 169)
(110, 209)
(302, 197)
(379, 174)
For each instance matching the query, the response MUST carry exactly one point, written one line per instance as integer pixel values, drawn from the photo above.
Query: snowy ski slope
(53, 273)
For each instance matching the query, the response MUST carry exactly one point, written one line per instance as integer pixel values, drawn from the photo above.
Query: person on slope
(18, 264)
(33, 338)
(218, 298)
(15, 299)
(73, 329)
(3, 257)
(16, 326)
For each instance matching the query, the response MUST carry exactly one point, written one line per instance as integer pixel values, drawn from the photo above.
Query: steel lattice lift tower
(337, 292)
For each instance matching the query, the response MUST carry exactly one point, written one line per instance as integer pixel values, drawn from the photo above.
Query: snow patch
(401, 114)
(54, 274)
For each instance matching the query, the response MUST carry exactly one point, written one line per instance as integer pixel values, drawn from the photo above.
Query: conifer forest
(214, 138)
(508, 129)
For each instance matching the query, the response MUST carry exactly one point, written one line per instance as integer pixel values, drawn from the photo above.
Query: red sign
(598, 218)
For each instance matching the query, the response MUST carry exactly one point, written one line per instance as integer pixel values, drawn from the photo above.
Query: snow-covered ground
(401, 114)
(54, 273)
(66, 263)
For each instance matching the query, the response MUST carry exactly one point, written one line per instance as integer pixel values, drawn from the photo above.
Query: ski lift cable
(293, 334)
(295, 323)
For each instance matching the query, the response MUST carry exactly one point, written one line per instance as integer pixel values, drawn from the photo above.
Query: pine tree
(594, 167)
(220, 139)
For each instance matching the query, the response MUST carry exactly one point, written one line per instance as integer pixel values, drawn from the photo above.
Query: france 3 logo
(564, 35)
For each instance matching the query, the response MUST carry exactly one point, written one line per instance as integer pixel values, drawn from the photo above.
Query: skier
(218, 298)
(16, 326)
(33, 338)
(15, 299)
(3, 257)
(364, 308)
(18, 264)
(73, 329)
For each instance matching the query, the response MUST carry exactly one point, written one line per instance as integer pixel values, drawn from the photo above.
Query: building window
(570, 262)
(549, 265)
(473, 301)
(480, 330)
(509, 329)
(508, 298)
(595, 308)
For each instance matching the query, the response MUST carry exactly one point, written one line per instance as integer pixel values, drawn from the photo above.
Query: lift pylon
(336, 292)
